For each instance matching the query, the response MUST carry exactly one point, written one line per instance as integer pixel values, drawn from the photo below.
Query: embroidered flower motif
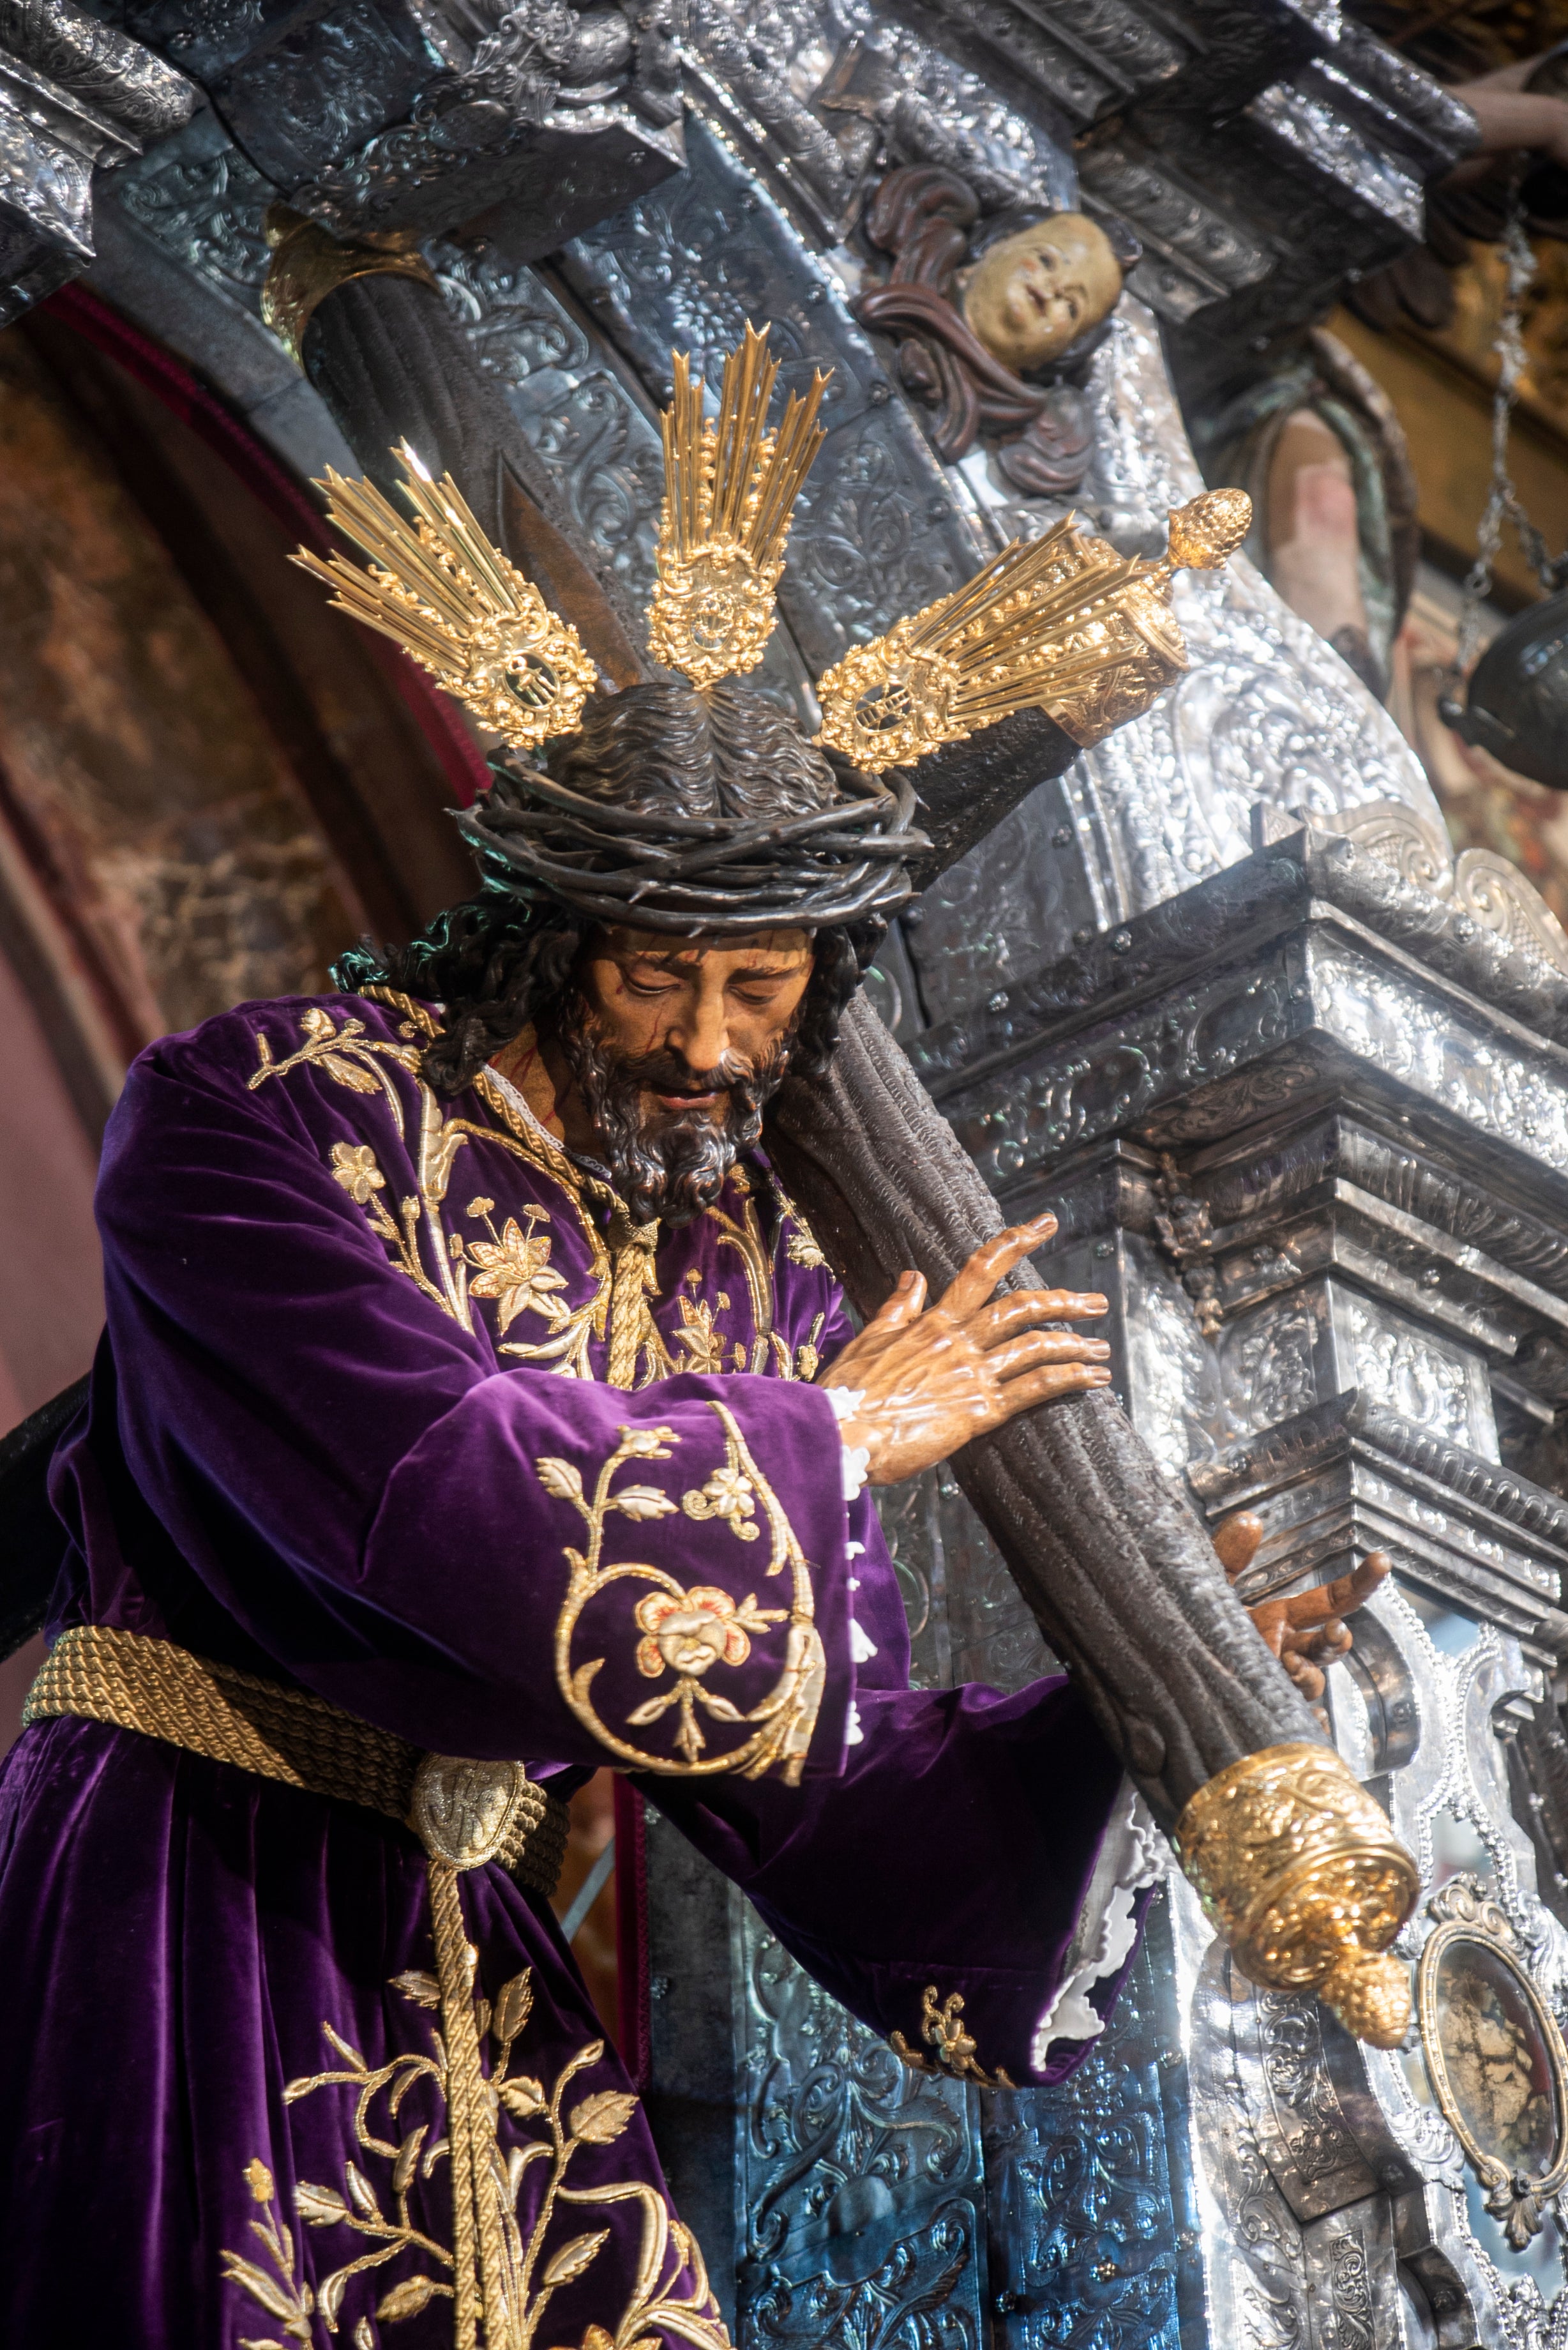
(353, 1166)
(703, 1345)
(516, 1272)
(728, 1494)
(688, 1631)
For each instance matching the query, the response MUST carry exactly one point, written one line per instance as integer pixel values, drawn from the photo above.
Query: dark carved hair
(499, 960)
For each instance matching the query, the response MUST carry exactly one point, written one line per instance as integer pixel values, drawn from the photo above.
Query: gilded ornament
(468, 1813)
(729, 491)
(1298, 1868)
(307, 264)
(454, 604)
(957, 2050)
(1062, 623)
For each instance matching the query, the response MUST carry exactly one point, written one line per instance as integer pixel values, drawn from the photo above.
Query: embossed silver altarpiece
(1295, 1082)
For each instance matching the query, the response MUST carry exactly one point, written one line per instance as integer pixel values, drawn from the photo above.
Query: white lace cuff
(1132, 1857)
(846, 1402)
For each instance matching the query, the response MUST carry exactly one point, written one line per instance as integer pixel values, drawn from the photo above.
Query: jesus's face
(670, 1047)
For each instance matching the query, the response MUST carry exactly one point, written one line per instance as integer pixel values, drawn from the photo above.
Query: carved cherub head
(995, 318)
(1033, 293)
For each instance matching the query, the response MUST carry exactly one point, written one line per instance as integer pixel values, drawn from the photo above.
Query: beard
(667, 1165)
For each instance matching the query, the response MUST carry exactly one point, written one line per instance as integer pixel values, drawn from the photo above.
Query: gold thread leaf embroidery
(329, 2299)
(318, 2207)
(346, 1072)
(643, 1502)
(512, 2005)
(360, 2193)
(561, 1478)
(523, 2097)
(530, 2271)
(573, 2258)
(420, 1986)
(260, 2286)
(405, 2300)
(284, 2295)
(407, 2159)
(600, 2119)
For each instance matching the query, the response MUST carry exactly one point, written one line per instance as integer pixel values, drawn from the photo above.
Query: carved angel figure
(996, 318)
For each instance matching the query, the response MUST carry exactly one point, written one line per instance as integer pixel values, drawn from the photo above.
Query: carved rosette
(1298, 1868)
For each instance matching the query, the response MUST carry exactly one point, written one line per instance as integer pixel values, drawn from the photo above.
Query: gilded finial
(456, 605)
(1062, 623)
(730, 489)
(1203, 534)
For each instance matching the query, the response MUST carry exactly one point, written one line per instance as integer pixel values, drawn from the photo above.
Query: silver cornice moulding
(78, 100)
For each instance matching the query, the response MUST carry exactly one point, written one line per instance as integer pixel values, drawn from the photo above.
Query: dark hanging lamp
(1516, 703)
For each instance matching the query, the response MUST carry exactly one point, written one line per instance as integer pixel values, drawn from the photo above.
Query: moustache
(666, 1073)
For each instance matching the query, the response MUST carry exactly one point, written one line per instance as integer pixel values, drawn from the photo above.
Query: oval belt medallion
(464, 1812)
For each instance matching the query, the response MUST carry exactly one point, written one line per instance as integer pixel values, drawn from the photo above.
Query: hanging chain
(1503, 504)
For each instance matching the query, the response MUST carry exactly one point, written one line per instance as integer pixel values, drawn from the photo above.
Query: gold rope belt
(465, 1813)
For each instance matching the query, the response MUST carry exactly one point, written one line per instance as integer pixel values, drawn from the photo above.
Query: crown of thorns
(662, 871)
(1062, 622)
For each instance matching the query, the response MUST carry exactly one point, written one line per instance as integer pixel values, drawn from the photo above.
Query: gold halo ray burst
(730, 488)
(1062, 622)
(456, 605)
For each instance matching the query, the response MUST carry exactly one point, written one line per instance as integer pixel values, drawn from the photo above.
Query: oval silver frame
(1464, 1913)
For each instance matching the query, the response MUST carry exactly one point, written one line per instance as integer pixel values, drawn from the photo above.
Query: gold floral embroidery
(535, 2268)
(284, 2294)
(514, 1268)
(955, 2048)
(566, 1349)
(357, 1062)
(801, 1247)
(728, 1493)
(353, 1166)
(350, 1058)
(743, 1234)
(688, 1631)
(702, 1344)
(807, 1356)
(786, 1717)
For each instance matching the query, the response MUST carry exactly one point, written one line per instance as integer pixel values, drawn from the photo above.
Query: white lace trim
(846, 1402)
(1132, 1857)
(514, 1100)
(853, 1733)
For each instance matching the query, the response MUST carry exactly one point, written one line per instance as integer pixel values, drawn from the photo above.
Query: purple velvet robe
(352, 1426)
